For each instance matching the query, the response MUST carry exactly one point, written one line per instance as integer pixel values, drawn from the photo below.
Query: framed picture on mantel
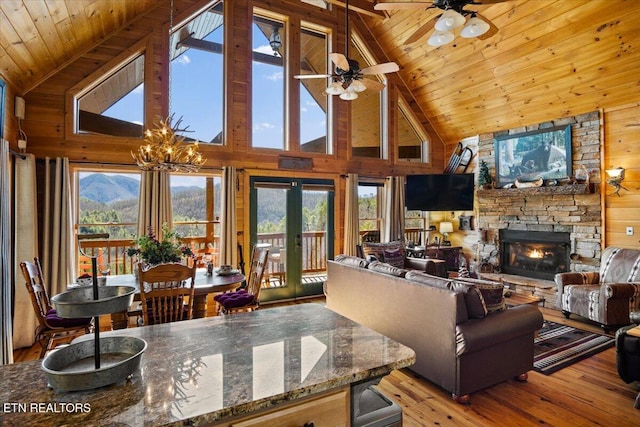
(529, 156)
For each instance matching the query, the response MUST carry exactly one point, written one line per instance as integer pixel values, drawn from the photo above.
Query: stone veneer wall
(571, 208)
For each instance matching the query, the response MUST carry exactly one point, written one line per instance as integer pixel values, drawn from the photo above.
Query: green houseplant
(152, 251)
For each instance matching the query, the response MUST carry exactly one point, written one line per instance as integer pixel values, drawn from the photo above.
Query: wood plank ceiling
(549, 58)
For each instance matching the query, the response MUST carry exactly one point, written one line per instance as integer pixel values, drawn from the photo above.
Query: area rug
(557, 346)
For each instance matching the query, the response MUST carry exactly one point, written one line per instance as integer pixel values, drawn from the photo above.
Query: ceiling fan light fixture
(440, 38)
(475, 27)
(357, 86)
(335, 88)
(349, 95)
(450, 20)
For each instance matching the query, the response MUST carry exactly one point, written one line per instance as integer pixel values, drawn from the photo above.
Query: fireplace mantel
(532, 191)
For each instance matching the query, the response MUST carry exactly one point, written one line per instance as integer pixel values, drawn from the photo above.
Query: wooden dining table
(204, 285)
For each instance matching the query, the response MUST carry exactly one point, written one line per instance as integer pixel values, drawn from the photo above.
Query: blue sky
(197, 97)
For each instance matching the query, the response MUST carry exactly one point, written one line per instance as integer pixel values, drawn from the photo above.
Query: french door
(295, 218)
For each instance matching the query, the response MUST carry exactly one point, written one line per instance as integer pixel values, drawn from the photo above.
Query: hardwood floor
(588, 393)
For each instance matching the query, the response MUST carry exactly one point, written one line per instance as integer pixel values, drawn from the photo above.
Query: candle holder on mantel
(87, 364)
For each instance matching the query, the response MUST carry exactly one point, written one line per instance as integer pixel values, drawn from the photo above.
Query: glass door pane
(295, 218)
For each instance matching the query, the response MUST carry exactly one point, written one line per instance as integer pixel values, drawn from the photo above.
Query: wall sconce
(616, 176)
(446, 227)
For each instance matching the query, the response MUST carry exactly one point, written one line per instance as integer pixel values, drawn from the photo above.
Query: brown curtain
(394, 209)
(155, 207)
(351, 217)
(229, 235)
(58, 249)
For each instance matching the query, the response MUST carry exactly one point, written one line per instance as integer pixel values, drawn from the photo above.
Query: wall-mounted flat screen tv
(440, 192)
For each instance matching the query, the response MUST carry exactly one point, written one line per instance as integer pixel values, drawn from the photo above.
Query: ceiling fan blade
(311, 76)
(492, 28)
(387, 67)
(372, 84)
(402, 5)
(422, 31)
(340, 60)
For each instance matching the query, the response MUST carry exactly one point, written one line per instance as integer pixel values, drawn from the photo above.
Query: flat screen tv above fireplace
(440, 192)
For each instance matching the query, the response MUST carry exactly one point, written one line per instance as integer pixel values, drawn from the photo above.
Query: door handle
(298, 241)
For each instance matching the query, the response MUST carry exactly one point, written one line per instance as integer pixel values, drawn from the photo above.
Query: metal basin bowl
(72, 368)
(79, 302)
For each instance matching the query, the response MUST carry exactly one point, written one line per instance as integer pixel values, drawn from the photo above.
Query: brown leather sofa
(432, 316)
(606, 296)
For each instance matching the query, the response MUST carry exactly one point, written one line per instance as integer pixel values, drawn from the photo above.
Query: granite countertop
(206, 370)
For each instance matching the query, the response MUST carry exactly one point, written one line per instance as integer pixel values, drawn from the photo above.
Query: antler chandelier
(164, 150)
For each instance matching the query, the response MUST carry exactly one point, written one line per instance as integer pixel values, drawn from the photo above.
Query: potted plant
(152, 251)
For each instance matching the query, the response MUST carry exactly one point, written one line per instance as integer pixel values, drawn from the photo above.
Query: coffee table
(515, 298)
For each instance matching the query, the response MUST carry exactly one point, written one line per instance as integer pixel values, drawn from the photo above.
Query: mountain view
(114, 199)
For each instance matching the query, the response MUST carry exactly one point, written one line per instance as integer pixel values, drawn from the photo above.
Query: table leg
(199, 306)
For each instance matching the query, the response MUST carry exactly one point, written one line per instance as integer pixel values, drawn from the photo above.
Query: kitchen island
(227, 370)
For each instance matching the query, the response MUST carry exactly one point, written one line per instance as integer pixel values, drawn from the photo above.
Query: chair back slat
(34, 280)
(256, 271)
(166, 292)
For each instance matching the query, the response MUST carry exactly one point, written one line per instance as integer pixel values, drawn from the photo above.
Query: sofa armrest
(618, 290)
(585, 278)
(476, 334)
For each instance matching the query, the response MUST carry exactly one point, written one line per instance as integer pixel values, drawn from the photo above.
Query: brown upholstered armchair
(606, 296)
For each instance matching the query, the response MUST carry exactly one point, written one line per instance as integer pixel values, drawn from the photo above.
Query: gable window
(268, 81)
(367, 113)
(197, 75)
(314, 103)
(413, 144)
(114, 105)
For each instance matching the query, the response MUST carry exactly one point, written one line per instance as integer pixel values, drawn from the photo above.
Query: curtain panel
(155, 207)
(58, 248)
(6, 300)
(26, 248)
(351, 217)
(229, 220)
(394, 209)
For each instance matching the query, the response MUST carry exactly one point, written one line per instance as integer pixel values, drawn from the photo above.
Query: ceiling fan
(454, 16)
(348, 78)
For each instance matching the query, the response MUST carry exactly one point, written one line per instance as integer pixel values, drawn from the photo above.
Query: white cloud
(258, 127)
(184, 59)
(304, 109)
(266, 49)
(275, 76)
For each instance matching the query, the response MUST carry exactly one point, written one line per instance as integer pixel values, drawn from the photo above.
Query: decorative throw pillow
(378, 250)
(387, 269)
(394, 257)
(476, 308)
(493, 297)
(351, 260)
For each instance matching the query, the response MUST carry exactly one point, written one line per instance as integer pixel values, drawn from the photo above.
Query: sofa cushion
(351, 260)
(428, 279)
(476, 307)
(386, 269)
(394, 250)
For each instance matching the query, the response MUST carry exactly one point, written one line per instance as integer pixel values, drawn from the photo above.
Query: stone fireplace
(537, 254)
(572, 211)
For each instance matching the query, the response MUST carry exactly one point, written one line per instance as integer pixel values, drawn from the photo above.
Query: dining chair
(166, 292)
(246, 299)
(51, 327)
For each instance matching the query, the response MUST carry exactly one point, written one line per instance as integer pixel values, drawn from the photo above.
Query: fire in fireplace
(536, 254)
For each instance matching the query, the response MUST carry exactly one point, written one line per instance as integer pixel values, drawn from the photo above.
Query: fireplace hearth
(535, 254)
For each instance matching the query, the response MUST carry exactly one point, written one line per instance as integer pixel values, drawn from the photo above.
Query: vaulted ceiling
(549, 58)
